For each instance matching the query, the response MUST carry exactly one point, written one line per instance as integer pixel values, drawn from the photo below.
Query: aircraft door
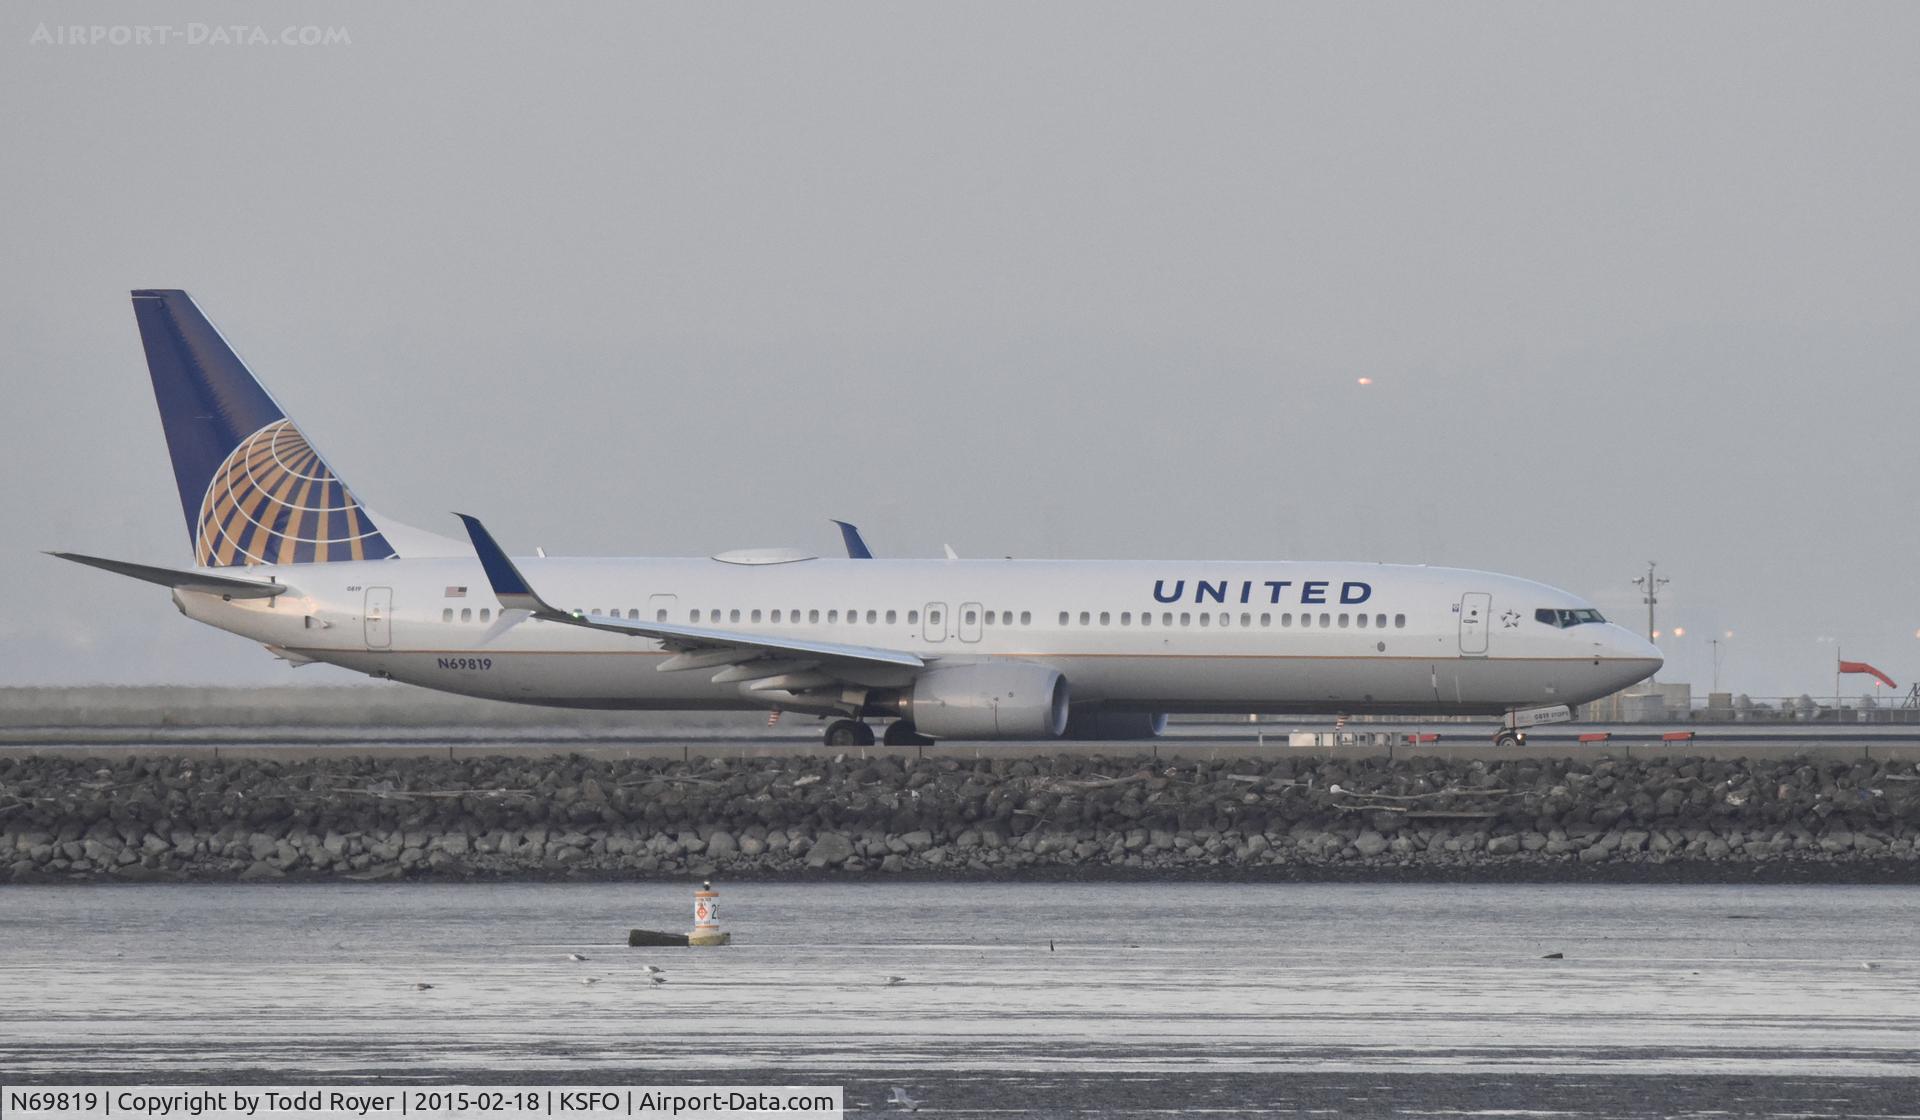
(969, 622)
(379, 617)
(1475, 608)
(933, 622)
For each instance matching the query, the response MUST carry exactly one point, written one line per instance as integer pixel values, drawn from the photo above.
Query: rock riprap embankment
(158, 818)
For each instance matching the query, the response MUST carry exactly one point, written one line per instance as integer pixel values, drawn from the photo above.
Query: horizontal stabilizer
(229, 586)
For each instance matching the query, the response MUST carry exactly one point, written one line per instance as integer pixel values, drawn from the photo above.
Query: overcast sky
(1631, 282)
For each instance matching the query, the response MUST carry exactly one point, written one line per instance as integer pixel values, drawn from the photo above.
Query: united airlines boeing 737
(287, 556)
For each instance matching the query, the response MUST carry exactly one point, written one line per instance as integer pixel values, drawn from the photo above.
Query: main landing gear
(849, 733)
(900, 733)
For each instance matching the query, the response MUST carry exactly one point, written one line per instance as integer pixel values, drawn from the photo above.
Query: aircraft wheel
(900, 733)
(1507, 737)
(849, 733)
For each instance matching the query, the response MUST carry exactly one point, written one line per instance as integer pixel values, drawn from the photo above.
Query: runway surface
(1206, 740)
(1045, 1000)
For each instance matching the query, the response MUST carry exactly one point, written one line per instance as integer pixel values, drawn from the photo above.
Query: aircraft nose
(1634, 656)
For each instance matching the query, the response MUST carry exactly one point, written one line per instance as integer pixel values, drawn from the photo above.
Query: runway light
(1366, 381)
(1656, 635)
(1728, 634)
(1679, 631)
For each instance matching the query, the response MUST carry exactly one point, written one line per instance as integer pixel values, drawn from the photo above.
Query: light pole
(1651, 585)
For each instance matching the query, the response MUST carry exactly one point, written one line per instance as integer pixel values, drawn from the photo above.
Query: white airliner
(944, 649)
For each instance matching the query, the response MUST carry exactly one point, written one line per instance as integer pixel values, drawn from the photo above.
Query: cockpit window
(1563, 618)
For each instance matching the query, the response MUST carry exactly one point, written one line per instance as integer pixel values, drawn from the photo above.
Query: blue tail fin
(253, 489)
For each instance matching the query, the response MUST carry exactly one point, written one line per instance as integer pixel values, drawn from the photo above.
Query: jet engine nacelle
(1091, 723)
(989, 700)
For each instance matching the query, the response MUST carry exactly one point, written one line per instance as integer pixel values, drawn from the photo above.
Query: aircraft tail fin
(253, 489)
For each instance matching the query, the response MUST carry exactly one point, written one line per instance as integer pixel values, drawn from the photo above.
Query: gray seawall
(159, 818)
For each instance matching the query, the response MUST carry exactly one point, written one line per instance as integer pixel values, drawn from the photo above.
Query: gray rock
(721, 845)
(830, 849)
(1370, 843)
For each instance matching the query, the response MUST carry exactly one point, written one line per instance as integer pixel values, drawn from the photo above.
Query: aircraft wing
(230, 586)
(761, 658)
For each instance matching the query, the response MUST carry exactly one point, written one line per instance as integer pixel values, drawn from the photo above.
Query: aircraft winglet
(509, 586)
(856, 546)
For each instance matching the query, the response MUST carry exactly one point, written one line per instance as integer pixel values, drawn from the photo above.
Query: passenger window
(1399, 622)
(833, 616)
(1286, 620)
(913, 618)
(933, 618)
(660, 615)
(1126, 618)
(1186, 619)
(1266, 620)
(486, 614)
(1380, 621)
(1063, 618)
(756, 616)
(1084, 618)
(1006, 618)
(774, 618)
(693, 615)
(987, 618)
(1343, 622)
(872, 617)
(813, 616)
(446, 615)
(1325, 621)
(1360, 620)
(1106, 619)
(466, 614)
(1206, 619)
(733, 616)
(892, 616)
(968, 618)
(1246, 620)
(1166, 618)
(1026, 618)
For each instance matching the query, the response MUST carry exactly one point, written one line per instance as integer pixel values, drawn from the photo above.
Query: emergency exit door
(1475, 608)
(379, 626)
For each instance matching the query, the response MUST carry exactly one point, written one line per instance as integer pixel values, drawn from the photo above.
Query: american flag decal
(456, 592)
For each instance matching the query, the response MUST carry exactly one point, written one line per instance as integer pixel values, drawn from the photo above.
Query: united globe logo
(275, 501)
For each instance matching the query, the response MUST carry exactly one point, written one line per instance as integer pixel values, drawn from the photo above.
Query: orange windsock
(1863, 667)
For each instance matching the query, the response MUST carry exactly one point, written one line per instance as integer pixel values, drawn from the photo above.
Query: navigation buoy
(706, 918)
